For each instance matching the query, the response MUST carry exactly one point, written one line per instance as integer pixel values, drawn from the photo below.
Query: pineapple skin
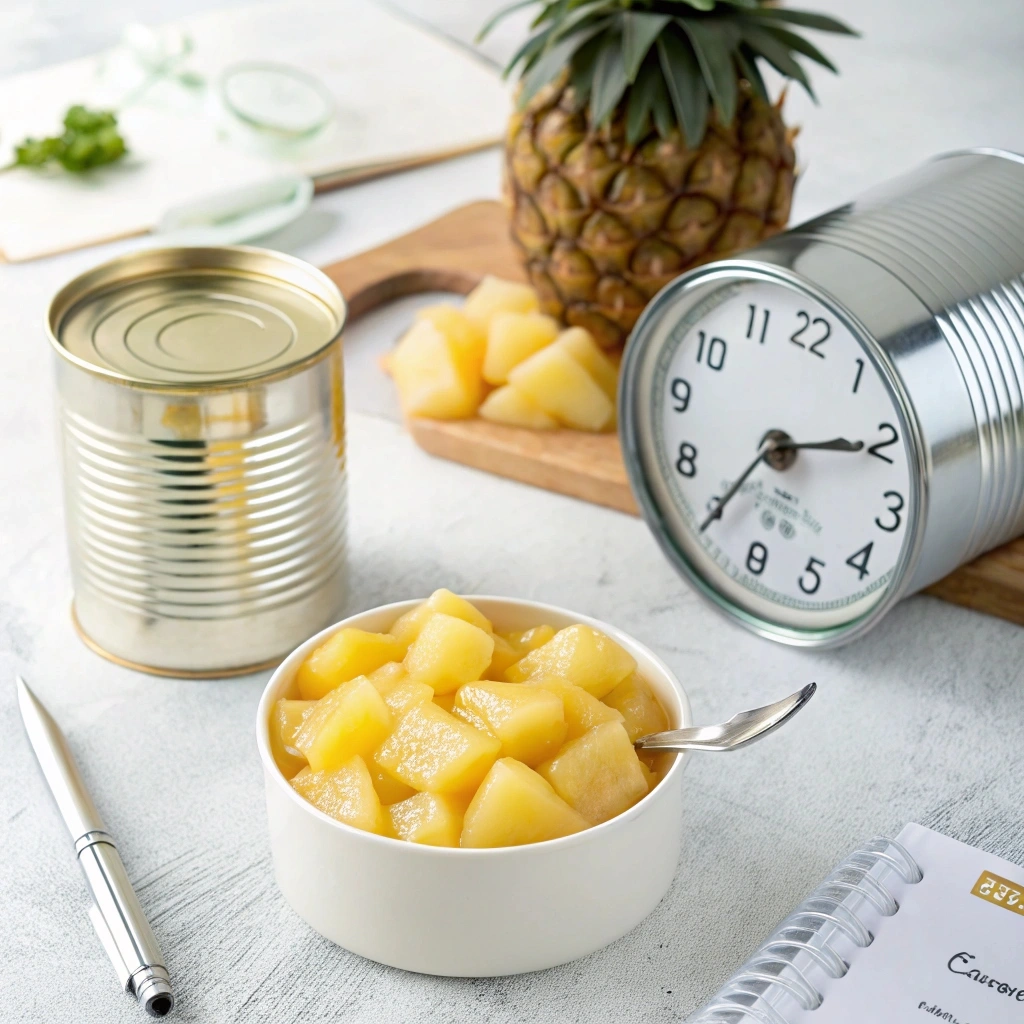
(602, 226)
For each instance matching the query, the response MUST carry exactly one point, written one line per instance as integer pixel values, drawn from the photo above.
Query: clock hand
(778, 444)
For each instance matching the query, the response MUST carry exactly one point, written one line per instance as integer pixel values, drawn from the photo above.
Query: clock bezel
(648, 337)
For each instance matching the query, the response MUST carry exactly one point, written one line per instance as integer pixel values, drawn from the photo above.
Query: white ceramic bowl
(475, 913)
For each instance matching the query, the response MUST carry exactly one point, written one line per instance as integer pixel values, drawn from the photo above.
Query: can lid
(196, 317)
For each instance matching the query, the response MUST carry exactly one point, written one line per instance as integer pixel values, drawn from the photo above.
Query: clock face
(811, 537)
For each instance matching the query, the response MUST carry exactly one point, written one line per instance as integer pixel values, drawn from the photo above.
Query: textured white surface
(920, 721)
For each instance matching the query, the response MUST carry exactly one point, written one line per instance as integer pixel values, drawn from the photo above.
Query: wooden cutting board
(452, 254)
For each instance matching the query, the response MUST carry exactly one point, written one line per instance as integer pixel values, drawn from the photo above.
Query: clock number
(894, 509)
(811, 588)
(860, 370)
(716, 351)
(681, 393)
(875, 448)
(814, 345)
(764, 323)
(687, 461)
(757, 558)
(859, 559)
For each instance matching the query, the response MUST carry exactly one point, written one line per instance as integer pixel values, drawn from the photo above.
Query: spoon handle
(741, 729)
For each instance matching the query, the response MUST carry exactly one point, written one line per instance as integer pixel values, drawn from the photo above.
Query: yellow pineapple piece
(434, 377)
(352, 719)
(512, 407)
(652, 777)
(469, 341)
(428, 818)
(388, 788)
(597, 774)
(448, 652)
(432, 750)
(492, 296)
(525, 640)
(387, 676)
(404, 694)
(582, 710)
(345, 793)
(407, 627)
(529, 721)
(640, 709)
(514, 806)
(580, 655)
(513, 337)
(285, 720)
(504, 656)
(580, 344)
(343, 656)
(564, 389)
(445, 700)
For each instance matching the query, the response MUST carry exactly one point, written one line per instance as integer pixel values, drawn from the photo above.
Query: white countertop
(920, 721)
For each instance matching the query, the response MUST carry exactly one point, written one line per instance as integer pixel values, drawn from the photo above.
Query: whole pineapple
(645, 143)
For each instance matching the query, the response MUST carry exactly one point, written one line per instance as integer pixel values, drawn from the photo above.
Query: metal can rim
(110, 274)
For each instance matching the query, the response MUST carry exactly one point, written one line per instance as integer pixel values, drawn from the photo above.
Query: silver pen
(115, 914)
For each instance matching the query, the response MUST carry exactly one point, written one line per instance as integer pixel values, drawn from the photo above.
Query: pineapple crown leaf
(666, 61)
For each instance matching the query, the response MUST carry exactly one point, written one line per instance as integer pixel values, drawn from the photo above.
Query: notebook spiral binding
(802, 938)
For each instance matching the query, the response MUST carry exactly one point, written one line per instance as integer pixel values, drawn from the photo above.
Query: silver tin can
(201, 412)
(927, 272)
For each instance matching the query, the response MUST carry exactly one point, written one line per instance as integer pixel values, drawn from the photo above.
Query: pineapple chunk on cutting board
(345, 793)
(434, 751)
(529, 721)
(512, 407)
(427, 818)
(580, 655)
(352, 719)
(493, 295)
(409, 625)
(563, 388)
(434, 376)
(513, 337)
(469, 342)
(286, 718)
(597, 774)
(343, 656)
(582, 710)
(514, 806)
(580, 344)
(448, 652)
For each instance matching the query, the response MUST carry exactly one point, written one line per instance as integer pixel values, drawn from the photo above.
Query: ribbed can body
(952, 234)
(200, 403)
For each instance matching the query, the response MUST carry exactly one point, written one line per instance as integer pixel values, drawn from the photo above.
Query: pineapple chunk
(580, 655)
(563, 388)
(388, 676)
(427, 818)
(468, 340)
(405, 694)
(580, 344)
(492, 296)
(388, 788)
(582, 710)
(434, 377)
(513, 806)
(352, 719)
(510, 406)
(526, 640)
(597, 774)
(448, 652)
(446, 701)
(504, 656)
(640, 708)
(343, 656)
(285, 720)
(346, 794)
(529, 721)
(408, 626)
(432, 750)
(513, 337)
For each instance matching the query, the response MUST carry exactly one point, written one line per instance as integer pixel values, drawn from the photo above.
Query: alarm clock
(836, 420)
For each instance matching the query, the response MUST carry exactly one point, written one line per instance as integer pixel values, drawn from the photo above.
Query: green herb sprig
(90, 139)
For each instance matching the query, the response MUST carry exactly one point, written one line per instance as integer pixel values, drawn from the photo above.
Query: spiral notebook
(920, 928)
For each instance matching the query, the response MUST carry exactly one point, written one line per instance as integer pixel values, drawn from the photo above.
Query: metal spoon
(740, 730)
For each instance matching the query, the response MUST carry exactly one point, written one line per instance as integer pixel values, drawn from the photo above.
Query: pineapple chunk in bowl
(471, 912)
